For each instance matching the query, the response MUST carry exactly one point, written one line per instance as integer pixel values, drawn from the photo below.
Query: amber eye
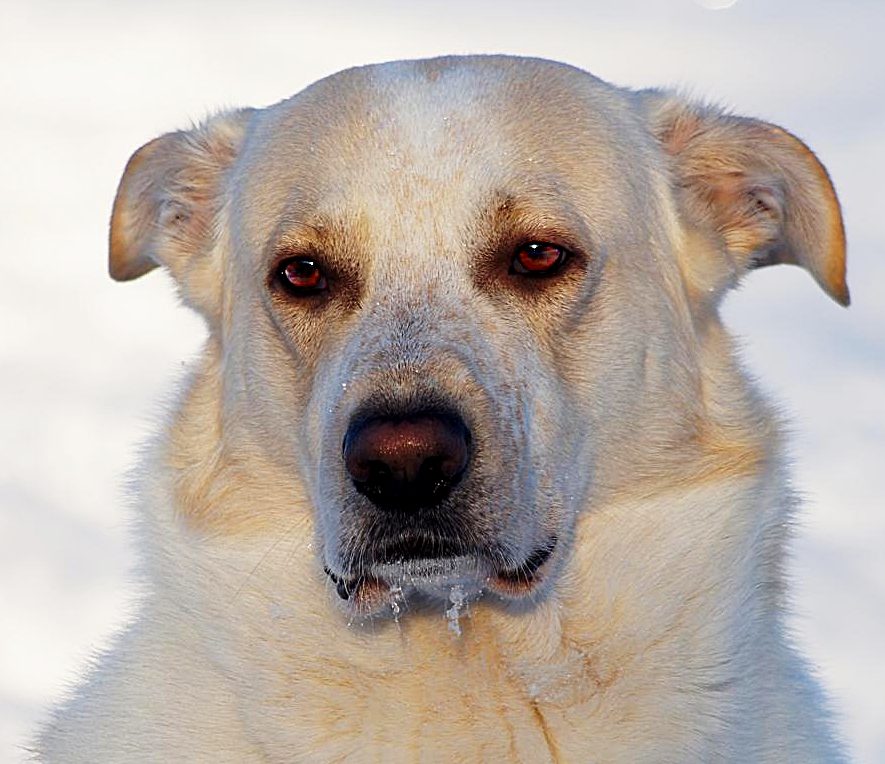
(301, 275)
(538, 259)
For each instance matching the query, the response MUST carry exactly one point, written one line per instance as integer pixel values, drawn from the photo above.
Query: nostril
(376, 472)
(407, 462)
(453, 462)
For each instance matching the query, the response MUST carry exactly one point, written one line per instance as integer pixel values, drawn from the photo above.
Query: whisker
(264, 557)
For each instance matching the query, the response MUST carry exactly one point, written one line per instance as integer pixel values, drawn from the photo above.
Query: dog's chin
(385, 586)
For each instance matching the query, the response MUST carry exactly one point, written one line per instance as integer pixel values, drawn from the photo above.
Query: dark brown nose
(407, 463)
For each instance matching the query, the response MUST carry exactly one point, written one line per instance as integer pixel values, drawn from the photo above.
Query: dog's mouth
(381, 584)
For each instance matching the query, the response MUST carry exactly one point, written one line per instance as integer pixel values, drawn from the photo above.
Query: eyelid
(290, 249)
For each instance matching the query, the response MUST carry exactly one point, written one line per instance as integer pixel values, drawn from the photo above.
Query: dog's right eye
(301, 276)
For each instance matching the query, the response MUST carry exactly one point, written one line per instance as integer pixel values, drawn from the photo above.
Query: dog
(468, 470)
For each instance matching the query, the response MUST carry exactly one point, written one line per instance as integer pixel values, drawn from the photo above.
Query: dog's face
(462, 299)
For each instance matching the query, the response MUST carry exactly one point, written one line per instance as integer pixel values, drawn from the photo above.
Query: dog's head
(462, 299)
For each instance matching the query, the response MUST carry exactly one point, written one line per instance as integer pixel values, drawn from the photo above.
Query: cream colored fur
(657, 634)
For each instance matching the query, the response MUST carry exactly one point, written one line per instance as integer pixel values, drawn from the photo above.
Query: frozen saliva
(456, 597)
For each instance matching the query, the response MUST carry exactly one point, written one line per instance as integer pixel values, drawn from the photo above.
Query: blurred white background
(86, 364)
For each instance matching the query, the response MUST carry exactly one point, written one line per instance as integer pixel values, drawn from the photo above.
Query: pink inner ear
(748, 215)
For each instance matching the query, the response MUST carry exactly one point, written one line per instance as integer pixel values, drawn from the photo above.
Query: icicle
(456, 597)
(397, 601)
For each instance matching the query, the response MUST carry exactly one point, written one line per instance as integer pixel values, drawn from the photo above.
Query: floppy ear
(758, 190)
(167, 202)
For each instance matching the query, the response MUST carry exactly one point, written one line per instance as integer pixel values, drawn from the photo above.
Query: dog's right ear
(167, 202)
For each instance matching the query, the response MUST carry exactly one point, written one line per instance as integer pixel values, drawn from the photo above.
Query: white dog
(468, 470)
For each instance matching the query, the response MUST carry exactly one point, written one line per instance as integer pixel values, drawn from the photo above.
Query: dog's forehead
(420, 148)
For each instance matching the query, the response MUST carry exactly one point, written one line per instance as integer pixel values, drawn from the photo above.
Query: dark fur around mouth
(343, 587)
(420, 547)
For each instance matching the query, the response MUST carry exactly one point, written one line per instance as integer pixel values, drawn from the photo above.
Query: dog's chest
(415, 691)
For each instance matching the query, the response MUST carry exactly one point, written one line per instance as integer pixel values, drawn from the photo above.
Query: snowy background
(86, 364)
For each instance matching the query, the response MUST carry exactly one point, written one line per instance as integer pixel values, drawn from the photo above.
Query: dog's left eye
(301, 275)
(538, 259)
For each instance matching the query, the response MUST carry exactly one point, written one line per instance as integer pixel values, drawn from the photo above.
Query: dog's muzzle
(419, 524)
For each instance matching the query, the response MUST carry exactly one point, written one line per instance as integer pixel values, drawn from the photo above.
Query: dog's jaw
(383, 586)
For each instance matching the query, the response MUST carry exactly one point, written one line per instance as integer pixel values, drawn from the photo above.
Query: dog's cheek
(538, 423)
(271, 385)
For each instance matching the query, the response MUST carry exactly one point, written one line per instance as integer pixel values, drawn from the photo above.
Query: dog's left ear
(168, 201)
(758, 190)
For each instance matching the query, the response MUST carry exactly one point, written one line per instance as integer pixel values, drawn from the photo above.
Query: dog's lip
(369, 591)
(365, 594)
(522, 579)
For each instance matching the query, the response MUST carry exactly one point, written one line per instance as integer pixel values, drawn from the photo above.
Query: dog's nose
(406, 463)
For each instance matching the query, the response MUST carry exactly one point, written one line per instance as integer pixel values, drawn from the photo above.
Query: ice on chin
(429, 575)
(453, 581)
